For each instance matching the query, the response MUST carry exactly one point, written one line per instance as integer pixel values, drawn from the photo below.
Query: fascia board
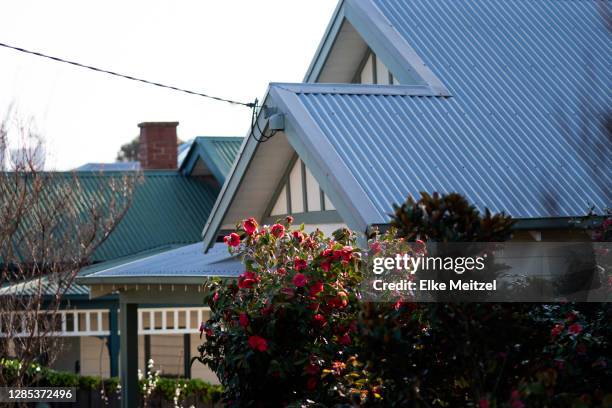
(390, 46)
(232, 183)
(307, 139)
(326, 44)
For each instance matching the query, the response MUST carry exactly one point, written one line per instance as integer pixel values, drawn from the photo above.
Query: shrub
(165, 387)
(292, 329)
(288, 318)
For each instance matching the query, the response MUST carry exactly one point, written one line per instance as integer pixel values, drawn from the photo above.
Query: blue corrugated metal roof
(187, 264)
(523, 132)
(117, 166)
(398, 145)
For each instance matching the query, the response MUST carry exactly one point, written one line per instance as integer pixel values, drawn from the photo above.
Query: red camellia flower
(316, 288)
(278, 230)
(574, 328)
(216, 296)
(338, 367)
(267, 310)
(311, 369)
(340, 301)
(289, 219)
(311, 383)
(326, 266)
(345, 340)
(232, 239)
(244, 320)
(298, 236)
(319, 320)
(289, 292)
(250, 226)
(556, 330)
(347, 253)
(299, 264)
(376, 247)
(258, 343)
(570, 317)
(281, 271)
(299, 280)
(421, 247)
(247, 280)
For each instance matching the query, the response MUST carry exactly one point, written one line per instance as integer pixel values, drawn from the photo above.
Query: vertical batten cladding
(300, 193)
(374, 71)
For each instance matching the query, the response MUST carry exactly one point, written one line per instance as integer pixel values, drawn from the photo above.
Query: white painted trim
(100, 313)
(354, 89)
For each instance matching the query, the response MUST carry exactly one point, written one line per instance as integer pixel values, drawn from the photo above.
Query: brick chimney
(158, 148)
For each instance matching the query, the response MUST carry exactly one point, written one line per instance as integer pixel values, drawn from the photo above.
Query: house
(505, 102)
(169, 206)
(502, 101)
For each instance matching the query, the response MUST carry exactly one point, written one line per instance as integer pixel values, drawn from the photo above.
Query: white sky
(229, 48)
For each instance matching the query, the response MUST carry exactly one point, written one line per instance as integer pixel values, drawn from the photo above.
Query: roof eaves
(390, 46)
(322, 160)
(232, 183)
(383, 39)
(357, 89)
(204, 149)
(326, 44)
(151, 280)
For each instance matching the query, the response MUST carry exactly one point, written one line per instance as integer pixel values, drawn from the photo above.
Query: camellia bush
(294, 330)
(282, 331)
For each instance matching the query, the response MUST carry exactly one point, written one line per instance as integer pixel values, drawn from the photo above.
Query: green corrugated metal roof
(216, 152)
(31, 287)
(167, 209)
(225, 148)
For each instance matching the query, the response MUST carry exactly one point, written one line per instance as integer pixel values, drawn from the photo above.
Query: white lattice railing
(95, 322)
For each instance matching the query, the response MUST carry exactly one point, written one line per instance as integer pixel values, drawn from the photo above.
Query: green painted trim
(322, 198)
(374, 70)
(113, 340)
(304, 191)
(147, 351)
(535, 224)
(129, 352)
(166, 295)
(283, 182)
(361, 66)
(187, 355)
(558, 223)
(313, 217)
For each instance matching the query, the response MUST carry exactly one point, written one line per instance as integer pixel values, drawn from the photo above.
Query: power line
(251, 105)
